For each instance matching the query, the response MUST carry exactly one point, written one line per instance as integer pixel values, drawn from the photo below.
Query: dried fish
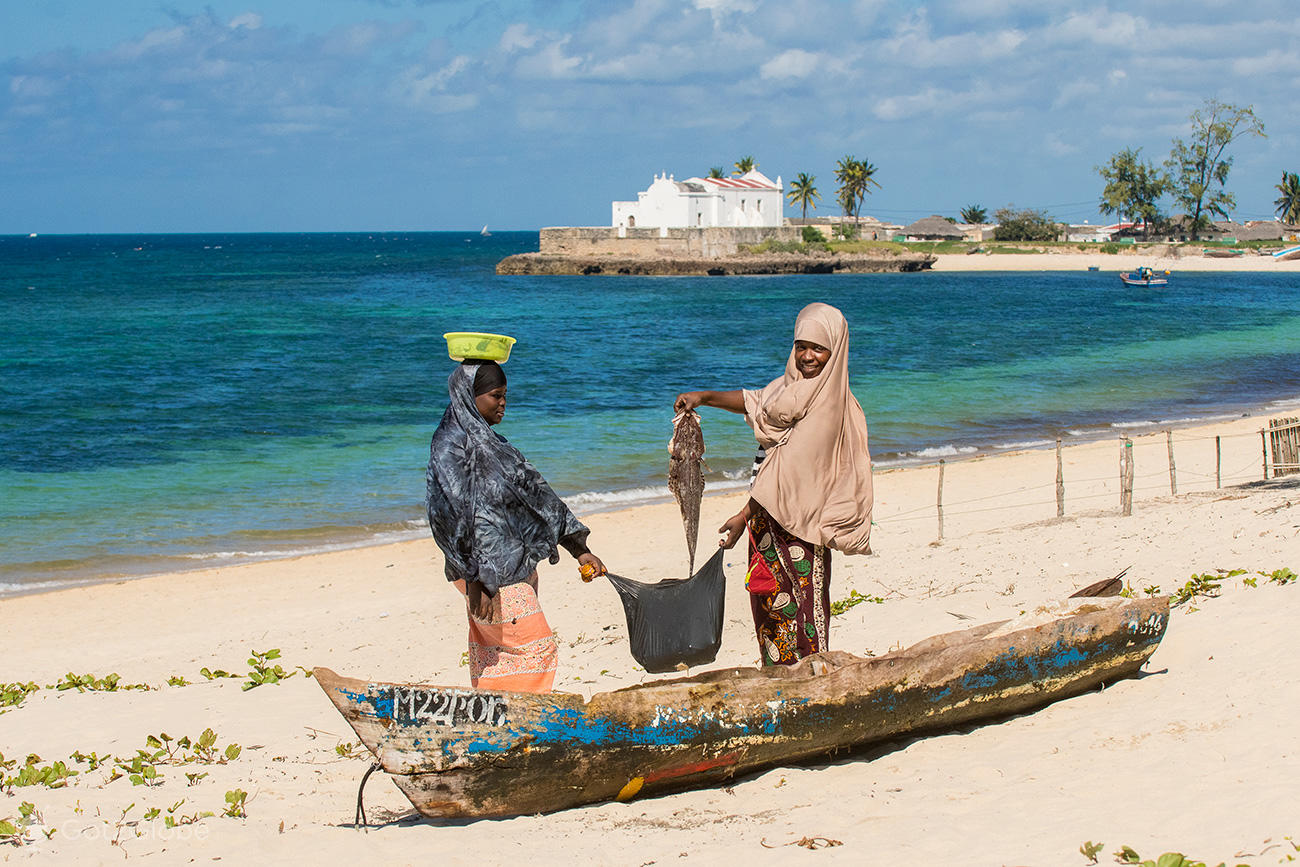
(686, 476)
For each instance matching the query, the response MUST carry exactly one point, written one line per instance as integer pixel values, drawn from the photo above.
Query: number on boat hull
(447, 707)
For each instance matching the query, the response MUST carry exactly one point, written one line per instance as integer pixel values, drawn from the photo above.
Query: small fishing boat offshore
(1144, 276)
(472, 753)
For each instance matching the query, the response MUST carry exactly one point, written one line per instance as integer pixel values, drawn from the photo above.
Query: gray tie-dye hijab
(490, 510)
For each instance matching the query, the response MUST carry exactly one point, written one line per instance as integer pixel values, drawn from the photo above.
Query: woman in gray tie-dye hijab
(495, 518)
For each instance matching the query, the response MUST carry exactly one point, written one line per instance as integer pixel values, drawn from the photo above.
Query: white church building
(749, 200)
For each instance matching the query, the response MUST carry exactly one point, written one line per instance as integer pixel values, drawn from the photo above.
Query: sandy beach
(1197, 755)
(1125, 261)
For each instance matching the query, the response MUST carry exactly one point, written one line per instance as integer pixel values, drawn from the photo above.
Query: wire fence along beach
(968, 497)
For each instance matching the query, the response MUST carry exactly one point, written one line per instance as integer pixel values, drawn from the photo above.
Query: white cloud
(549, 62)
(1112, 29)
(428, 90)
(720, 8)
(516, 38)
(1078, 91)
(247, 21)
(795, 63)
(1057, 147)
(927, 101)
(914, 46)
(451, 70)
(171, 37)
(1274, 62)
(32, 87)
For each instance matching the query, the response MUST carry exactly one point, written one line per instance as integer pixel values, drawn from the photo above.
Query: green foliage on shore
(236, 802)
(1288, 204)
(1128, 855)
(15, 830)
(263, 672)
(854, 598)
(1198, 167)
(107, 683)
(33, 773)
(1208, 585)
(858, 246)
(774, 246)
(1025, 225)
(142, 769)
(14, 694)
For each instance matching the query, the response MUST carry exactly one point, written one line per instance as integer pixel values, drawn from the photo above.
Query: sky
(412, 115)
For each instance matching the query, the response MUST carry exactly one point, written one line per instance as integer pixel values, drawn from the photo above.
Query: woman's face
(492, 404)
(810, 358)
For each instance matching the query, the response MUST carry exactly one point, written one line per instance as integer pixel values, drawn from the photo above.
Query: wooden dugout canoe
(458, 752)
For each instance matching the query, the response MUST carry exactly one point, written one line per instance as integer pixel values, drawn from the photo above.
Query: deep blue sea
(176, 401)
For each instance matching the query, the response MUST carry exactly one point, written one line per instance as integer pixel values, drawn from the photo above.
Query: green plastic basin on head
(476, 344)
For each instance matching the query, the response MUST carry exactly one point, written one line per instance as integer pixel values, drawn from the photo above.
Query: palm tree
(868, 181)
(847, 173)
(803, 193)
(1288, 206)
(973, 214)
(715, 172)
(744, 165)
(856, 179)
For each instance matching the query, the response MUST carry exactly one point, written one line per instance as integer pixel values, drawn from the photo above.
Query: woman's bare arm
(732, 401)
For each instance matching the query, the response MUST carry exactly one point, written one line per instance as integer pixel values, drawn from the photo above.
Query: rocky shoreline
(744, 264)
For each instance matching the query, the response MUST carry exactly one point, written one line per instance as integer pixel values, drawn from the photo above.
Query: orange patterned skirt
(514, 648)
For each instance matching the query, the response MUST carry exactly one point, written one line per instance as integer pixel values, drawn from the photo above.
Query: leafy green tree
(1288, 205)
(1133, 187)
(1198, 168)
(1025, 225)
(716, 172)
(856, 179)
(803, 192)
(744, 165)
(973, 214)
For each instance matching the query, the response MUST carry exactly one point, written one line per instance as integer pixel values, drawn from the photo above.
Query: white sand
(1198, 755)
(1109, 262)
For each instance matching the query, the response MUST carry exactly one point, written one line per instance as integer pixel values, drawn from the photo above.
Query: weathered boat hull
(477, 753)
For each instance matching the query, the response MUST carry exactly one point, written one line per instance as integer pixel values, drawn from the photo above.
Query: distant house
(933, 228)
(977, 232)
(1267, 230)
(749, 200)
(1088, 233)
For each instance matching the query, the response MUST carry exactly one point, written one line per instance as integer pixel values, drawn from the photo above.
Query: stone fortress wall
(656, 242)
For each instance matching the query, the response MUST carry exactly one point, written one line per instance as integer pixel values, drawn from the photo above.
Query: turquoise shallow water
(173, 401)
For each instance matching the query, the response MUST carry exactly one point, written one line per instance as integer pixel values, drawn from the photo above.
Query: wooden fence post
(939, 501)
(1126, 478)
(1060, 482)
(1173, 479)
(1218, 462)
(1263, 441)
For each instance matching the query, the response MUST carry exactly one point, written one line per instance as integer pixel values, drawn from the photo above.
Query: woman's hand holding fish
(688, 400)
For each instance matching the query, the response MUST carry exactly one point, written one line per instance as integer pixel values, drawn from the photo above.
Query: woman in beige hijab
(811, 490)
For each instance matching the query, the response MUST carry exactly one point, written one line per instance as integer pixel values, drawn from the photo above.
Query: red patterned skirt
(793, 620)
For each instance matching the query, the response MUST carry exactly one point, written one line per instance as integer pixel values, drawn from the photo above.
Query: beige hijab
(816, 479)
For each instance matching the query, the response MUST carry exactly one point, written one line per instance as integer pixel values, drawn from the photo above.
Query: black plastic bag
(677, 621)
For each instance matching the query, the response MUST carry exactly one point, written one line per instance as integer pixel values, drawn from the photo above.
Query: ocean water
(175, 401)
